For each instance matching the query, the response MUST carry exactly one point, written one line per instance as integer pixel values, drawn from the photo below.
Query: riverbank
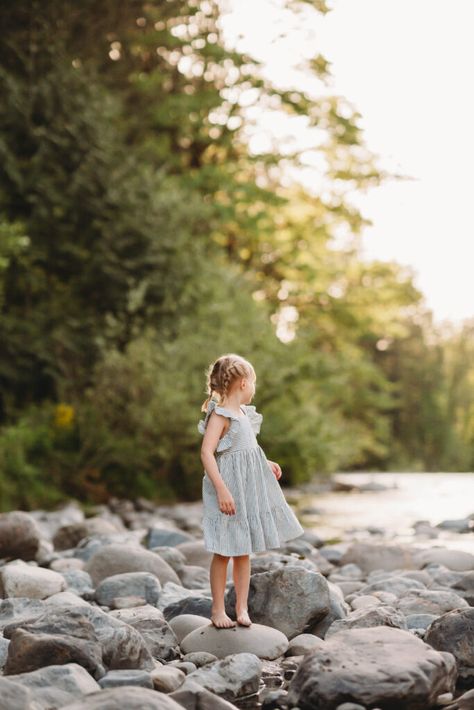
(115, 608)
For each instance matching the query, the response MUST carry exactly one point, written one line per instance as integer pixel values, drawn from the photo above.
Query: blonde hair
(222, 373)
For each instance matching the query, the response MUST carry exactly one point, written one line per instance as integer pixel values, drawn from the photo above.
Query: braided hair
(221, 375)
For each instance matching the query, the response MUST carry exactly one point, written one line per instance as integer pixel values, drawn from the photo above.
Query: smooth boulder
(116, 559)
(19, 536)
(263, 641)
(454, 632)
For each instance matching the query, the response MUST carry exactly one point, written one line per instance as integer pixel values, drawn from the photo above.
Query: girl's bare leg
(241, 574)
(218, 579)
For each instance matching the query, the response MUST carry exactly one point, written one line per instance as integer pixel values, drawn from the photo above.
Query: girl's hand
(275, 468)
(226, 501)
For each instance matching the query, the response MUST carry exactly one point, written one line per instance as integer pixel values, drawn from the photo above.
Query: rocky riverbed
(113, 611)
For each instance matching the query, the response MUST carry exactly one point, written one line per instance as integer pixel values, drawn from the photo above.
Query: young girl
(244, 509)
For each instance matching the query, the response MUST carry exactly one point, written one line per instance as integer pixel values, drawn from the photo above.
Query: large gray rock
(164, 537)
(465, 587)
(138, 584)
(122, 646)
(194, 577)
(372, 556)
(28, 652)
(15, 697)
(430, 601)
(195, 605)
(54, 686)
(368, 617)
(396, 584)
(70, 535)
(193, 696)
(116, 559)
(183, 624)
(272, 596)
(117, 679)
(454, 632)
(152, 626)
(19, 579)
(338, 609)
(263, 641)
(376, 667)
(129, 697)
(20, 609)
(234, 676)
(196, 553)
(457, 560)
(19, 536)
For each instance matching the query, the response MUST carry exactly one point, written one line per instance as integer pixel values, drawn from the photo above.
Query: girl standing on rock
(244, 509)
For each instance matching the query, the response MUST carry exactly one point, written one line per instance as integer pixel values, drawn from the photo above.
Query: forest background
(140, 238)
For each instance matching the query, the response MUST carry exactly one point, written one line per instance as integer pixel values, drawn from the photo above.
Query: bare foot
(243, 618)
(221, 620)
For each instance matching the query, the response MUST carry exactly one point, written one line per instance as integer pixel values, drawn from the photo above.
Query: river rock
(396, 584)
(464, 586)
(420, 621)
(129, 697)
(19, 579)
(28, 652)
(193, 696)
(141, 584)
(368, 617)
(271, 599)
(152, 626)
(194, 577)
(196, 553)
(429, 601)
(199, 658)
(271, 561)
(15, 697)
(194, 605)
(373, 556)
(458, 525)
(463, 702)
(19, 609)
(19, 536)
(70, 535)
(65, 598)
(183, 624)
(172, 556)
(116, 559)
(338, 609)
(117, 679)
(80, 582)
(167, 678)
(232, 677)
(263, 641)
(163, 537)
(378, 666)
(301, 644)
(454, 632)
(457, 560)
(56, 685)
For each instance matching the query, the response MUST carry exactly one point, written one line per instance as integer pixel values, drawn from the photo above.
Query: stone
(183, 624)
(15, 697)
(70, 535)
(270, 561)
(457, 560)
(397, 584)
(193, 696)
(199, 658)
(271, 599)
(63, 598)
(129, 697)
(117, 679)
(19, 536)
(368, 617)
(196, 553)
(56, 685)
(338, 609)
(376, 667)
(66, 564)
(4, 643)
(429, 601)
(141, 584)
(167, 679)
(28, 652)
(372, 556)
(301, 644)
(235, 676)
(163, 537)
(365, 600)
(19, 579)
(116, 559)
(263, 641)
(80, 582)
(193, 577)
(19, 609)
(191, 605)
(454, 632)
(459, 525)
(150, 623)
(420, 621)
(463, 702)
(464, 586)
(172, 556)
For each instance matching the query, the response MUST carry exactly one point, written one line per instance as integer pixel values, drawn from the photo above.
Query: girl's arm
(216, 426)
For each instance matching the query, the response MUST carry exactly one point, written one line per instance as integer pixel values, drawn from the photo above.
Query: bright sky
(406, 67)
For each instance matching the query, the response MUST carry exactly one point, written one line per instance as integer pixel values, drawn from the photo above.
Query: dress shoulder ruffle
(226, 441)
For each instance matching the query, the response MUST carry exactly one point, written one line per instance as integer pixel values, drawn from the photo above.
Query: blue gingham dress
(263, 518)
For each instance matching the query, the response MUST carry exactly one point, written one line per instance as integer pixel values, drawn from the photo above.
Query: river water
(410, 497)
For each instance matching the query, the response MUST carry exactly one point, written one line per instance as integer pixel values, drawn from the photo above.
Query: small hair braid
(221, 375)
